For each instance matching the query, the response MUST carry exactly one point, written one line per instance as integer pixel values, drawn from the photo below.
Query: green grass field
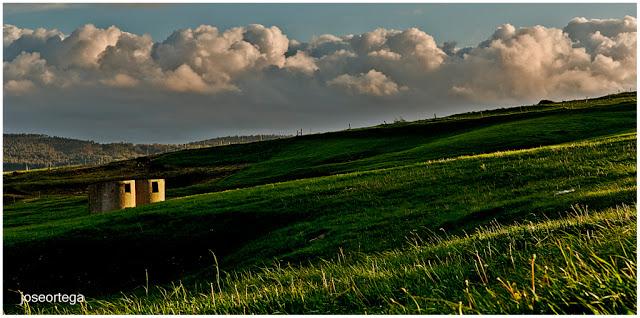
(522, 210)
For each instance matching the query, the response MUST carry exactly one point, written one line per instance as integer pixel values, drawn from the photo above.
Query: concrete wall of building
(126, 199)
(108, 196)
(95, 197)
(147, 193)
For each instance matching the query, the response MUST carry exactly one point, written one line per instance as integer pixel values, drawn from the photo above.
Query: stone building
(112, 195)
(116, 195)
(149, 191)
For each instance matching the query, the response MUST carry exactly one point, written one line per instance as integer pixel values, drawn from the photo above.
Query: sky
(176, 73)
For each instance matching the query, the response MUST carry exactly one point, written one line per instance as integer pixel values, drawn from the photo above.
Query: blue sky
(467, 24)
(103, 84)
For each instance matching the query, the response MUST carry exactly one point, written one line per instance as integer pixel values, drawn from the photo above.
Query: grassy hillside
(584, 263)
(368, 193)
(219, 168)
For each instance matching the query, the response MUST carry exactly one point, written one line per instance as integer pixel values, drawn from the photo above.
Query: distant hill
(33, 151)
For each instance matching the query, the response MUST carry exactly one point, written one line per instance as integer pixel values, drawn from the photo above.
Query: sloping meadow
(583, 263)
(360, 213)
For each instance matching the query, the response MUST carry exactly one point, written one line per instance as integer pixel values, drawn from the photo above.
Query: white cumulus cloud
(587, 57)
(372, 83)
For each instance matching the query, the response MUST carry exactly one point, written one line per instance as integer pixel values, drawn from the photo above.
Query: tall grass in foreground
(583, 263)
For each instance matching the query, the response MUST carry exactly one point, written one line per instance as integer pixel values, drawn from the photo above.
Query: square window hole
(154, 187)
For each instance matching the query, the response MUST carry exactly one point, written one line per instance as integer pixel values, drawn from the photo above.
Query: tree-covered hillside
(32, 151)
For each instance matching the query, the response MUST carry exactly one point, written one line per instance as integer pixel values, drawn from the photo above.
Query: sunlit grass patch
(583, 263)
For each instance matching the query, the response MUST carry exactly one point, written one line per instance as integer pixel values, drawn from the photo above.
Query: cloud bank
(255, 77)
